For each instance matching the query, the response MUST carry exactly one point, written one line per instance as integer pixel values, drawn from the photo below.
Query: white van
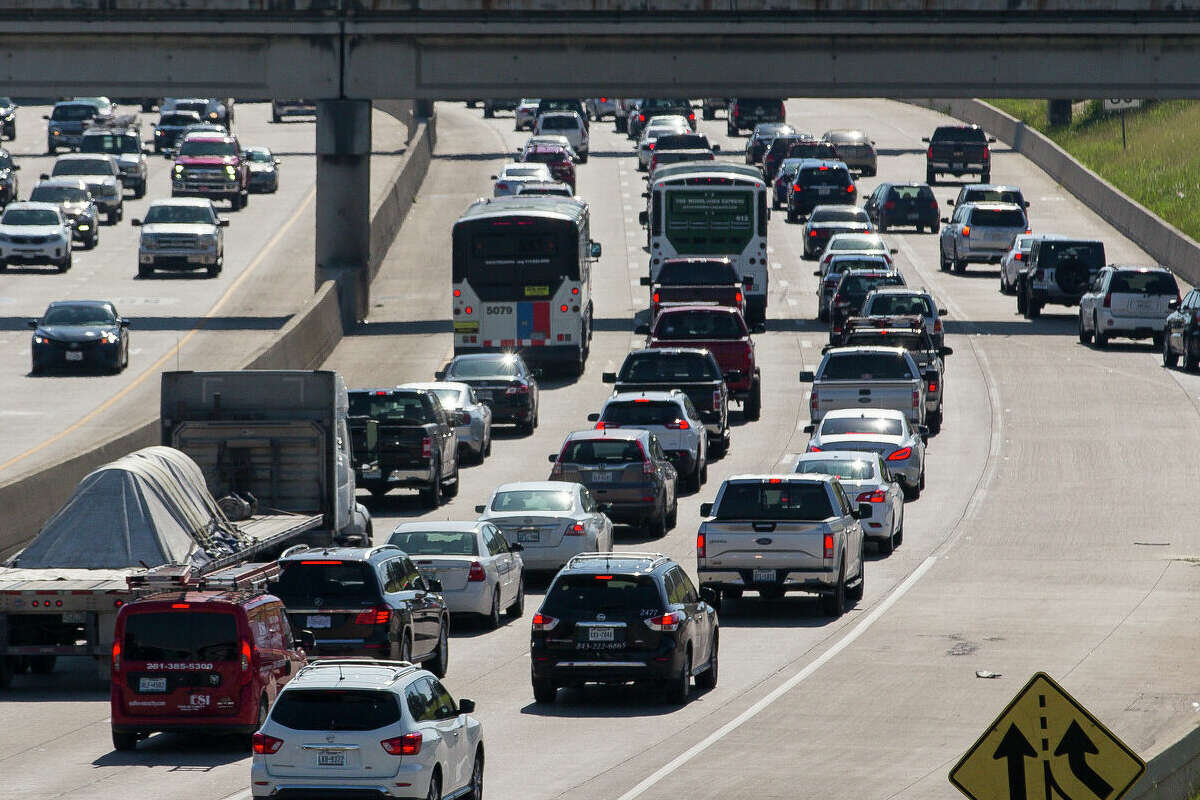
(568, 124)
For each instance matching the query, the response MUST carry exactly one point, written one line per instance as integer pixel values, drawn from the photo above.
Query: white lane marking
(244, 794)
(805, 343)
(776, 265)
(785, 687)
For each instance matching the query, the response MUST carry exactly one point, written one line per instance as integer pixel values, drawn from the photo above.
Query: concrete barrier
(307, 339)
(1165, 243)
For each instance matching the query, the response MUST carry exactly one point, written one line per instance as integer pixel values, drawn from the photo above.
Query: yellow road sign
(1045, 744)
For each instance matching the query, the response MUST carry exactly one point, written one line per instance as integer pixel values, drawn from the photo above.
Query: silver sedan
(876, 430)
(867, 481)
(474, 419)
(551, 520)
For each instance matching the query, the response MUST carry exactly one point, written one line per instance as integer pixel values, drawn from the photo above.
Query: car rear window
(436, 543)
(585, 594)
(781, 501)
(839, 215)
(842, 426)
(856, 470)
(699, 325)
(857, 285)
(697, 273)
(499, 366)
(857, 242)
(335, 709)
(397, 409)
(560, 123)
(1088, 254)
(810, 149)
(642, 413)
(533, 500)
(178, 120)
(1148, 283)
(823, 176)
(682, 141)
(680, 156)
(907, 194)
(601, 451)
(645, 367)
(991, 218)
(335, 582)
(838, 265)
(958, 134)
(542, 156)
(865, 367)
(181, 636)
(892, 305)
(993, 196)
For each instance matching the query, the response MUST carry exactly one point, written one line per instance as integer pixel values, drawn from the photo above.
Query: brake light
(641, 117)
(650, 145)
(812, 234)
(458, 292)
(701, 546)
(603, 426)
(1018, 257)
(173, 605)
(116, 656)
(1108, 299)
(716, 400)
(519, 388)
(934, 205)
(813, 449)
(932, 386)
(563, 308)
(916, 397)
(797, 187)
(320, 562)
(262, 744)
(900, 455)
(850, 189)
(654, 297)
(812, 403)
(737, 297)
(407, 745)
(542, 622)
(987, 153)
(828, 545)
(603, 99)
(889, 205)
(877, 496)
(375, 616)
(679, 425)
(475, 573)
(966, 230)
(667, 622)
(692, 115)
(937, 325)
(929, 152)
(426, 447)
(501, 185)
(576, 530)
(245, 655)
(469, 310)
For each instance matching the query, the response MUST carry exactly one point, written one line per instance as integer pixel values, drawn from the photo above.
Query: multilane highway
(1050, 535)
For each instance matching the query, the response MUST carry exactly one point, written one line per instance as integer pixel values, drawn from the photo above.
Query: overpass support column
(343, 236)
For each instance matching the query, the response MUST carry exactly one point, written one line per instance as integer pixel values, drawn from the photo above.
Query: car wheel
(517, 609)
(912, 492)
(435, 782)
(1157, 340)
(752, 408)
(451, 488)
(886, 545)
(405, 647)
(493, 615)
(673, 515)
(882, 226)
(1085, 335)
(1170, 357)
(1101, 336)
(213, 270)
(477, 777)
(1032, 309)
(1190, 358)
(41, 665)
(704, 471)
(124, 741)
(708, 679)
(930, 178)
(544, 692)
(679, 686)
(834, 603)
(860, 585)
(944, 262)
(441, 658)
(986, 177)
(960, 266)
(432, 496)
(66, 264)
(487, 442)
(94, 242)
(657, 527)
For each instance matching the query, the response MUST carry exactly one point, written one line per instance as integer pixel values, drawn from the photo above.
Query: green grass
(1161, 166)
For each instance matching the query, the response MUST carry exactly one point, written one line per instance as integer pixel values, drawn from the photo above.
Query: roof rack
(398, 668)
(655, 559)
(296, 548)
(388, 546)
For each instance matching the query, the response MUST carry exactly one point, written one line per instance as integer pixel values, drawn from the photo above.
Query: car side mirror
(33, 323)
(893, 251)
(645, 195)
(278, 161)
(307, 641)
(609, 377)
(480, 509)
(594, 249)
(924, 138)
(604, 508)
(433, 584)
(440, 374)
(643, 218)
(922, 429)
(645, 280)
(706, 509)
(536, 372)
(466, 706)
(137, 223)
(817, 272)
(124, 323)
(224, 223)
(760, 327)
(553, 458)
(1173, 304)
(943, 312)
(716, 148)
(991, 140)
(15, 167)
(945, 220)
(44, 177)
(494, 177)
(810, 428)
(1026, 204)
(710, 595)
(806, 376)
(642, 330)
(593, 417)
(946, 351)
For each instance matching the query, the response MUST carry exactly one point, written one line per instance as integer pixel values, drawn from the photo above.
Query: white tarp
(148, 508)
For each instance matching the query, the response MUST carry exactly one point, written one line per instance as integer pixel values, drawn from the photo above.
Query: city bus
(707, 208)
(522, 279)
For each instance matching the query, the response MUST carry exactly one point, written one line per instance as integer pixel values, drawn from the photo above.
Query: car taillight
(814, 449)
(375, 616)
(797, 187)
(543, 622)
(987, 153)
(929, 152)
(1108, 299)
(701, 546)
(407, 745)
(839, 301)
(828, 545)
(679, 425)
(916, 399)
(812, 234)
(501, 185)
(647, 467)
(654, 297)
(934, 205)
(737, 297)
(937, 326)
(850, 189)
(1018, 257)
(576, 530)
(650, 145)
(966, 230)
(666, 622)
(520, 388)
(262, 744)
(716, 400)
(426, 447)
(889, 205)
(602, 425)
(475, 573)
(900, 455)
(641, 117)
(116, 657)
(812, 402)
(245, 655)
(933, 386)
(877, 496)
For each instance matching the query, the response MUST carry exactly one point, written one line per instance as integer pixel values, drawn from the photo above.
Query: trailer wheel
(41, 665)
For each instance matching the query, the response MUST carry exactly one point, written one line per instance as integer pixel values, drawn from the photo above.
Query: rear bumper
(818, 581)
(982, 255)
(474, 598)
(564, 668)
(419, 478)
(958, 167)
(1133, 327)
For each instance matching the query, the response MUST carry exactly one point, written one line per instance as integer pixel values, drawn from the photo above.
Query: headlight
(231, 172)
(208, 239)
(4, 238)
(40, 339)
(83, 226)
(178, 170)
(157, 132)
(108, 337)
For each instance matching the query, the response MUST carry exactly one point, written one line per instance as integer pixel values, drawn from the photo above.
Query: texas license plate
(74, 356)
(529, 536)
(537, 291)
(318, 620)
(147, 685)
(602, 477)
(764, 576)
(331, 758)
(601, 634)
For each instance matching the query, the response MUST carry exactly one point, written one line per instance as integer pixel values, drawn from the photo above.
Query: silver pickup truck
(783, 533)
(867, 377)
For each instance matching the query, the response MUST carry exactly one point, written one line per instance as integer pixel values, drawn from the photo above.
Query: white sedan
(480, 571)
(512, 174)
(551, 520)
(867, 480)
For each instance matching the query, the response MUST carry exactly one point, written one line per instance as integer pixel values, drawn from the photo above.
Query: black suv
(820, 183)
(365, 601)
(895, 204)
(620, 617)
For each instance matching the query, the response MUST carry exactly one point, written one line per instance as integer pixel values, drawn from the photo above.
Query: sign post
(1122, 105)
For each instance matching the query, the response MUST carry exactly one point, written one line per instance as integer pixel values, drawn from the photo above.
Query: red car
(211, 165)
(557, 158)
(723, 332)
(199, 661)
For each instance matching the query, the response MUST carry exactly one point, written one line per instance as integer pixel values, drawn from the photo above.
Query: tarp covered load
(148, 508)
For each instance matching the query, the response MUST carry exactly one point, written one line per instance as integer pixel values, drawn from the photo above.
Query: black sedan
(503, 382)
(80, 333)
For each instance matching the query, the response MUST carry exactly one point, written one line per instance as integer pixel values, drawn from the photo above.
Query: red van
(199, 661)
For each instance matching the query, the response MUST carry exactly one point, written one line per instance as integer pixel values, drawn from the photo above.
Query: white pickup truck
(867, 377)
(782, 533)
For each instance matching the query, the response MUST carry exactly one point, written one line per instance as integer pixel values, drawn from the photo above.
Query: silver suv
(351, 727)
(980, 233)
(181, 234)
(103, 178)
(125, 145)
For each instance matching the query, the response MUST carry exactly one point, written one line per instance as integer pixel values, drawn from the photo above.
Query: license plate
(74, 616)
(601, 634)
(318, 620)
(371, 474)
(331, 758)
(74, 356)
(196, 259)
(824, 190)
(152, 685)
(914, 216)
(764, 576)
(602, 477)
(529, 536)
(537, 291)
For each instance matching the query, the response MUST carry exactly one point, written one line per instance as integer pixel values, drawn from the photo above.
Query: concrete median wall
(308, 338)
(1165, 243)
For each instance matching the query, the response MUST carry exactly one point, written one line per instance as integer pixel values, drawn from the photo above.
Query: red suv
(198, 660)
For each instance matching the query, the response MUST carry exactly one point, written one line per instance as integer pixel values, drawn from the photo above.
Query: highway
(1047, 537)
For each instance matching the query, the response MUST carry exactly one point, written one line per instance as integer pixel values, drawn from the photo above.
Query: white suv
(673, 419)
(352, 727)
(568, 124)
(35, 233)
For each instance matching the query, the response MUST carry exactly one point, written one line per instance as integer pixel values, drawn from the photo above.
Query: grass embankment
(1160, 167)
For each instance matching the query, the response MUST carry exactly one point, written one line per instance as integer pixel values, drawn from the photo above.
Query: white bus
(707, 208)
(522, 279)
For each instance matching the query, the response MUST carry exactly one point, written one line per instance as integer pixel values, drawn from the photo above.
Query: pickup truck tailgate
(898, 395)
(763, 545)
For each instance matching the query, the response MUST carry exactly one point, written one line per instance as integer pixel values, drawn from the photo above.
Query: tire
(406, 647)
(1019, 290)
(94, 242)
(487, 442)
(544, 692)
(1190, 359)
(730, 130)
(752, 408)
(432, 497)
(124, 741)
(1157, 340)
(140, 191)
(882, 226)
(1170, 357)
(935, 420)
(679, 686)
(860, 587)
(517, 609)
(1101, 336)
(1085, 336)
(477, 777)
(435, 787)
(492, 618)
(930, 178)
(657, 527)
(708, 679)
(112, 217)
(985, 177)
(886, 546)
(451, 490)
(704, 471)
(66, 264)
(488, 113)
(441, 659)
(708, 113)
(213, 270)
(275, 117)
(525, 428)
(834, 603)
(692, 482)
(673, 516)
(960, 266)
(944, 262)
(912, 492)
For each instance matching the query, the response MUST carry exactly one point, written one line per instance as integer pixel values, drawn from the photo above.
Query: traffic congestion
(731, 459)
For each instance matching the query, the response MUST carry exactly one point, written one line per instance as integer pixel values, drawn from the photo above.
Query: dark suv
(895, 204)
(746, 112)
(820, 183)
(365, 601)
(620, 617)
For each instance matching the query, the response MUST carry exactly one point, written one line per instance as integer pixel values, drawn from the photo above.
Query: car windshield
(601, 451)
(542, 155)
(993, 196)
(857, 284)
(83, 166)
(642, 412)
(199, 106)
(586, 595)
(958, 134)
(699, 325)
(869, 338)
(180, 636)
(866, 367)
(29, 216)
(451, 398)
(846, 469)
(109, 143)
(335, 709)
(1146, 283)
(73, 113)
(331, 581)
(857, 242)
(895, 305)
(842, 426)
(996, 218)
(208, 147)
(260, 156)
(178, 120)
(390, 407)
(58, 194)
(644, 367)
(78, 315)
(179, 214)
(784, 501)
(533, 500)
(436, 543)
(697, 273)
(839, 215)
(499, 366)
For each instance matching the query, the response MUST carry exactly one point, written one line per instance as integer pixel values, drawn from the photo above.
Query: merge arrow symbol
(1015, 748)
(1076, 746)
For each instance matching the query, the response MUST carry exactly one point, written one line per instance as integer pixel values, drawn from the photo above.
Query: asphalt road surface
(1051, 535)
